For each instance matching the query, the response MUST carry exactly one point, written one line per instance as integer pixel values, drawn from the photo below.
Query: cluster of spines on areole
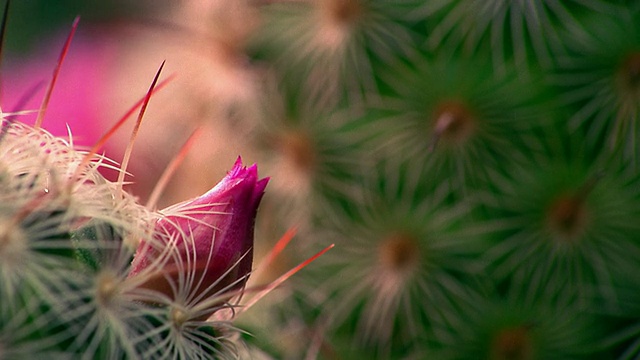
(334, 47)
(484, 127)
(47, 199)
(394, 282)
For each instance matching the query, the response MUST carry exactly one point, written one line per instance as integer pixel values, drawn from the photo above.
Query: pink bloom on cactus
(205, 243)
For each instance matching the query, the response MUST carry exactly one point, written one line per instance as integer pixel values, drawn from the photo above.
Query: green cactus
(475, 163)
(68, 240)
(522, 113)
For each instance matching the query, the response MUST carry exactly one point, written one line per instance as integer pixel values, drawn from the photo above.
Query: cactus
(88, 272)
(475, 163)
(73, 284)
(491, 214)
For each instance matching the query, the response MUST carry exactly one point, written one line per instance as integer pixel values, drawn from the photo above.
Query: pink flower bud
(204, 246)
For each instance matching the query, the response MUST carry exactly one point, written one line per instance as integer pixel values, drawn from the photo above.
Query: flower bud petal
(204, 246)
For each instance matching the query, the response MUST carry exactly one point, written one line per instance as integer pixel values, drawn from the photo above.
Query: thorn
(283, 278)
(434, 142)
(171, 169)
(275, 251)
(281, 244)
(136, 128)
(3, 26)
(30, 207)
(9, 119)
(70, 136)
(443, 123)
(586, 188)
(3, 30)
(56, 72)
(94, 149)
(28, 95)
